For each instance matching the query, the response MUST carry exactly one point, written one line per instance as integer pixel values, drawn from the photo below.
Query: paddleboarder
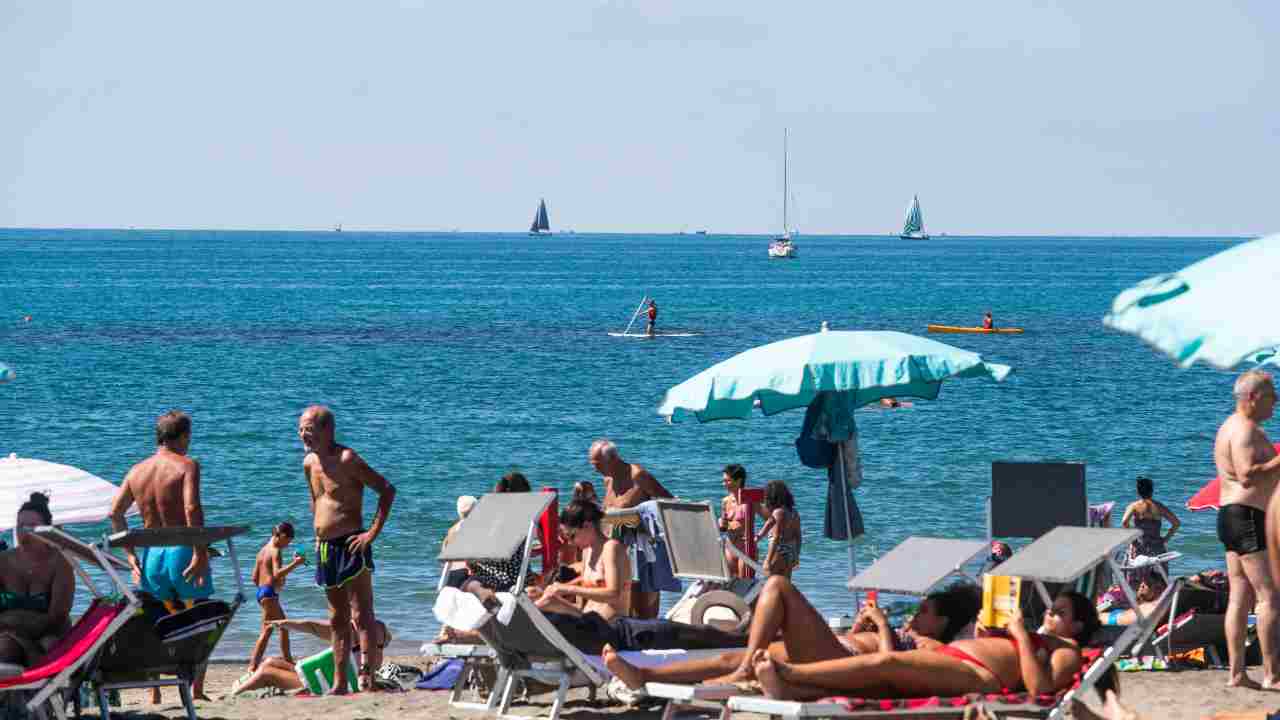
(653, 317)
(987, 323)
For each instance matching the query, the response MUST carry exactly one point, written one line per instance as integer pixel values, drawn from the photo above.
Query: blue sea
(450, 359)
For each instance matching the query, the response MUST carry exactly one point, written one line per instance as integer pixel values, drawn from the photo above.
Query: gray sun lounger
(1062, 555)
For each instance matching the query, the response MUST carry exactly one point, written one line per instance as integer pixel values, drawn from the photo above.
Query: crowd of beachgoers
(601, 591)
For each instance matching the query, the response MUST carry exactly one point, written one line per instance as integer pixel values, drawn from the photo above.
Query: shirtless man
(344, 549)
(627, 485)
(166, 487)
(1249, 469)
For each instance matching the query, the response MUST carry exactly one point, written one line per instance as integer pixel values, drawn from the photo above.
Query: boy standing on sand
(344, 549)
(268, 577)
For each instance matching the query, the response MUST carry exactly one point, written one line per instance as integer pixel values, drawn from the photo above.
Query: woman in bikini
(781, 611)
(1041, 663)
(783, 529)
(734, 520)
(604, 586)
(39, 586)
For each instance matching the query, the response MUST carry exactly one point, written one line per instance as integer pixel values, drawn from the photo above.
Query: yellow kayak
(978, 330)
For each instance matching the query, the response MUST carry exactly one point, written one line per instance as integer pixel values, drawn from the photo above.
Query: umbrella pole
(848, 519)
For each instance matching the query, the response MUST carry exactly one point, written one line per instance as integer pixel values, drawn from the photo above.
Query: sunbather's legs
(805, 633)
(688, 671)
(272, 672)
(557, 605)
(915, 673)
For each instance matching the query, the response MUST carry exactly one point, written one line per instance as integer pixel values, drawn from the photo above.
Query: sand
(1184, 695)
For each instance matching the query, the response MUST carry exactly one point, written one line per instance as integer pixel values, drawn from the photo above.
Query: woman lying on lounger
(604, 586)
(782, 611)
(1040, 663)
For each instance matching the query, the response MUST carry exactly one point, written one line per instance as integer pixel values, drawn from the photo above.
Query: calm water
(450, 359)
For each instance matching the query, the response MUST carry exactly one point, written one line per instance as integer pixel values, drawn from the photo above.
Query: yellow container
(1001, 596)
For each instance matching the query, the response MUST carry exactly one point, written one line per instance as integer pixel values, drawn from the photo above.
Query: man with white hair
(1249, 469)
(627, 485)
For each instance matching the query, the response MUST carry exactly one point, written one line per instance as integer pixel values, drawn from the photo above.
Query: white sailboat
(913, 228)
(783, 247)
(541, 225)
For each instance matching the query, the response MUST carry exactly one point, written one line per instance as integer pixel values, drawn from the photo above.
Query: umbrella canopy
(1209, 496)
(790, 373)
(74, 495)
(1218, 310)
(6, 373)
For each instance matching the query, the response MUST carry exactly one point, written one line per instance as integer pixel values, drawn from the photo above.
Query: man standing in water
(627, 485)
(338, 476)
(653, 317)
(166, 487)
(1249, 469)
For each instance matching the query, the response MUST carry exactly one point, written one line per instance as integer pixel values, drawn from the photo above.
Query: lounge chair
(63, 667)
(1063, 555)
(914, 567)
(158, 649)
(524, 643)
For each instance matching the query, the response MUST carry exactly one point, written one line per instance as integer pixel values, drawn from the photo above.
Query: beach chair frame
(184, 674)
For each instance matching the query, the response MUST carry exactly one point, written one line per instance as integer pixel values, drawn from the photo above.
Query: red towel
(549, 528)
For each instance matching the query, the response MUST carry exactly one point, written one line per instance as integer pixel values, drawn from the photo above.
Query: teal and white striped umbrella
(6, 373)
(1221, 310)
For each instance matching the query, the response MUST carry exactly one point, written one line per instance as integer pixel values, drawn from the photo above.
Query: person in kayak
(987, 323)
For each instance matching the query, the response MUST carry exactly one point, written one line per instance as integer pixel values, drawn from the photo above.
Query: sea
(452, 358)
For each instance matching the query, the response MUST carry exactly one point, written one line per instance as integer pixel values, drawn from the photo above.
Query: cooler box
(317, 672)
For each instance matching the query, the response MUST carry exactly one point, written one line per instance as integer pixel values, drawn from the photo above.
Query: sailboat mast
(784, 182)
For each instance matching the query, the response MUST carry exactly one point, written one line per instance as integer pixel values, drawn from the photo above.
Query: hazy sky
(1006, 118)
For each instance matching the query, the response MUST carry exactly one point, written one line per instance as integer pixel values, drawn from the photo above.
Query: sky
(1006, 118)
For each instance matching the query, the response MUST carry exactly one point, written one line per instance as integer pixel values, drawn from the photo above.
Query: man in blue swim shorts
(344, 550)
(166, 488)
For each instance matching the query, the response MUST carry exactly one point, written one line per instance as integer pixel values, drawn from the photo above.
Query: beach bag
(317, 673)
(442, 676)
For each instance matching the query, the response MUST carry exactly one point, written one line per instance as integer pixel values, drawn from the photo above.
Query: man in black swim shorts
(344, 550)
(1248, 470)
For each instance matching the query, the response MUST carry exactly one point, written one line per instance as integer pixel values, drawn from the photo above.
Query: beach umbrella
(75, 495)
(1208, 497)
(6, 373)
(841, 370)
(1219, 310)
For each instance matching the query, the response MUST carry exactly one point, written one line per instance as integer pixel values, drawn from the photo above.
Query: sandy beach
(1188, 695)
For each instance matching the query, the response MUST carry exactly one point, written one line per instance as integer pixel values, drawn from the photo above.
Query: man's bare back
(160, 485)
(1241, 440)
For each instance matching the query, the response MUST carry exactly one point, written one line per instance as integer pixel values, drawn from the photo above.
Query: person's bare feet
(1271, 684)
(629, 674)
(1244, 681)
(201, 696)
(767, 675)
(1116, 711)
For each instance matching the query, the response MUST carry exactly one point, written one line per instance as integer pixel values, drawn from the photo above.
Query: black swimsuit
(1242, 529)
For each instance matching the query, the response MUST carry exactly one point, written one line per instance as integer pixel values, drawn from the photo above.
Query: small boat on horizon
(783, 247)
(541, 225)
(913, 228)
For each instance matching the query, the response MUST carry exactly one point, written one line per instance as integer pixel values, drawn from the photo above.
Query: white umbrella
(75, 496)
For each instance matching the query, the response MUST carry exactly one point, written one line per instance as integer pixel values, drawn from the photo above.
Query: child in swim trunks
(269, 576)
(783, 527)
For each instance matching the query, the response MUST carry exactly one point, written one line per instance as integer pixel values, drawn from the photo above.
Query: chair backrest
(693, 541)
(1029, 499)
(497, 524)
(530, 637)
(917, 564)
(85, 636)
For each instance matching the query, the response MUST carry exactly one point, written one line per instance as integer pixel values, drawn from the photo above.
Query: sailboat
(540, 226)
(783, 247)
(913, 228)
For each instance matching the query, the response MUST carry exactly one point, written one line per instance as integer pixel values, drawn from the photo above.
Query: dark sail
(540, 222)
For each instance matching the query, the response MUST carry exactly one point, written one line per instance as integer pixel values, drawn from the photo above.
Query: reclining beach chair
(914, 567)
(156, 648)
(524, 643)
(1063, 555)
(64, 666)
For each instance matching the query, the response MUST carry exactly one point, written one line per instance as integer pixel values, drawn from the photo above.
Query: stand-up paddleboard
(975, 330)
(655, 335)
